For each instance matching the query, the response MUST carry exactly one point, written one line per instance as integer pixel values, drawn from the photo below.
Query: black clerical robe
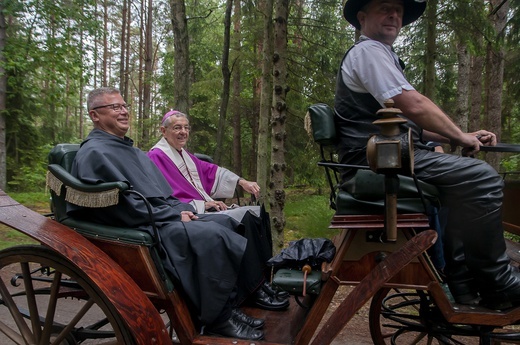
(205, 255)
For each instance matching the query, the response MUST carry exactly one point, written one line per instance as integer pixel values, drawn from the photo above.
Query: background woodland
(244, 72)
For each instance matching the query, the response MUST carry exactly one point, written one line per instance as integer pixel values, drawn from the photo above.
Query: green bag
(292, 281)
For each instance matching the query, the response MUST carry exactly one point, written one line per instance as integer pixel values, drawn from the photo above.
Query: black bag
(305, 252)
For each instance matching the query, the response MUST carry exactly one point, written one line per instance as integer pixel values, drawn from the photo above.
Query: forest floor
(357, 331)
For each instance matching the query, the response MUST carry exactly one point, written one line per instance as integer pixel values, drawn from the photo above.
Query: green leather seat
(60, 163)
(365, 192)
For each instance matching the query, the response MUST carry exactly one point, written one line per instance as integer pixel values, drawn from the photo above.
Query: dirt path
(357, 331)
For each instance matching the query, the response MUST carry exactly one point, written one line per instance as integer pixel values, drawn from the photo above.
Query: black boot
(462, 285)
(486, 258)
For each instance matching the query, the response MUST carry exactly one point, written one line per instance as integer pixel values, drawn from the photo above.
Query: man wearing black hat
(477, 267)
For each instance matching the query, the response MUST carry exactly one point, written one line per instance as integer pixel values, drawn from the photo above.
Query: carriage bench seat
(124, 245)
(365, 192)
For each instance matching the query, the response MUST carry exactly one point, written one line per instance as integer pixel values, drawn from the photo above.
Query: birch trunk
(265, 100)
(181, 87)
(279, 116)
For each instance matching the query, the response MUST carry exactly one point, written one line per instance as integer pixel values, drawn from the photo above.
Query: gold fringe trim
(307, 124)
(85, 199)
(54, 183)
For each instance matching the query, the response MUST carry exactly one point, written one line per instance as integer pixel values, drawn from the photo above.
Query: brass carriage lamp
(390, 153)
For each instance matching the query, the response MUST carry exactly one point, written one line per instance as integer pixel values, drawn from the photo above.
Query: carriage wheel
(46, 300)
(411, 317)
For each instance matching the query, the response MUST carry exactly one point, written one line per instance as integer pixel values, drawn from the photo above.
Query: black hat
(413, 9)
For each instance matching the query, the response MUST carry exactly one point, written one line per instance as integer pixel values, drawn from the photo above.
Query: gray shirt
(364, 71)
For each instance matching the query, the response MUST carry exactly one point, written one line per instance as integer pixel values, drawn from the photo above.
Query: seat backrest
(319, 123)
(63, 155)
(322, 124)
(203, 157)
(364, 193)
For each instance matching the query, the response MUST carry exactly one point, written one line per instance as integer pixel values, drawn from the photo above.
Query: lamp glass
(388, 155)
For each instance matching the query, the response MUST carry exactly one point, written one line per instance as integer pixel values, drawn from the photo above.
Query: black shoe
(264, 301)
(502, 300)
(240, 316)
(464, 292)
(468, 299)
(234, 329)
(281, 294)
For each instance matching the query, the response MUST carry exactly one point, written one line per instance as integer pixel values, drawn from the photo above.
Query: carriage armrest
(70, 181)
(67, 188)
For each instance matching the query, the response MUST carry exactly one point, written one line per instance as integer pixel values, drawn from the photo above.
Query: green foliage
(28, 175)
(510, 164)
(38, 202)
(11, 238)
(307, 215)
(54, 51)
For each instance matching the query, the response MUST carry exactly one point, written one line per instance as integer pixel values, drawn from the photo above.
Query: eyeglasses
(116, 107)
(177, 129)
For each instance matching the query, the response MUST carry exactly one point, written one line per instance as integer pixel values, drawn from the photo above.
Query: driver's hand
(485, 137)
(471, 142)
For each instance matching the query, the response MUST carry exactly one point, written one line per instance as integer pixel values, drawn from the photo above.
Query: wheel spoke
(11, 334)
(51, 309)
(15, 313)
(52, 302)
(73, 322)
(413, 318)
(31, 300)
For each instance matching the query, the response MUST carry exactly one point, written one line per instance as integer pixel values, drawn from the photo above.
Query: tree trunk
(81, 132)
(105, 44)
(181, 55)
(461, 113)
(226, 76)
(431, 50)
(237, 88)
(148, 75)
(123, 50)
(495, 76)
(3, 87)
(262, 159)
(475, 81)
(126, 73)
(279, 116)
(140, 77)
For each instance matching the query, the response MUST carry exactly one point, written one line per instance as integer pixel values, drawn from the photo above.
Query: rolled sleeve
(371, 67)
